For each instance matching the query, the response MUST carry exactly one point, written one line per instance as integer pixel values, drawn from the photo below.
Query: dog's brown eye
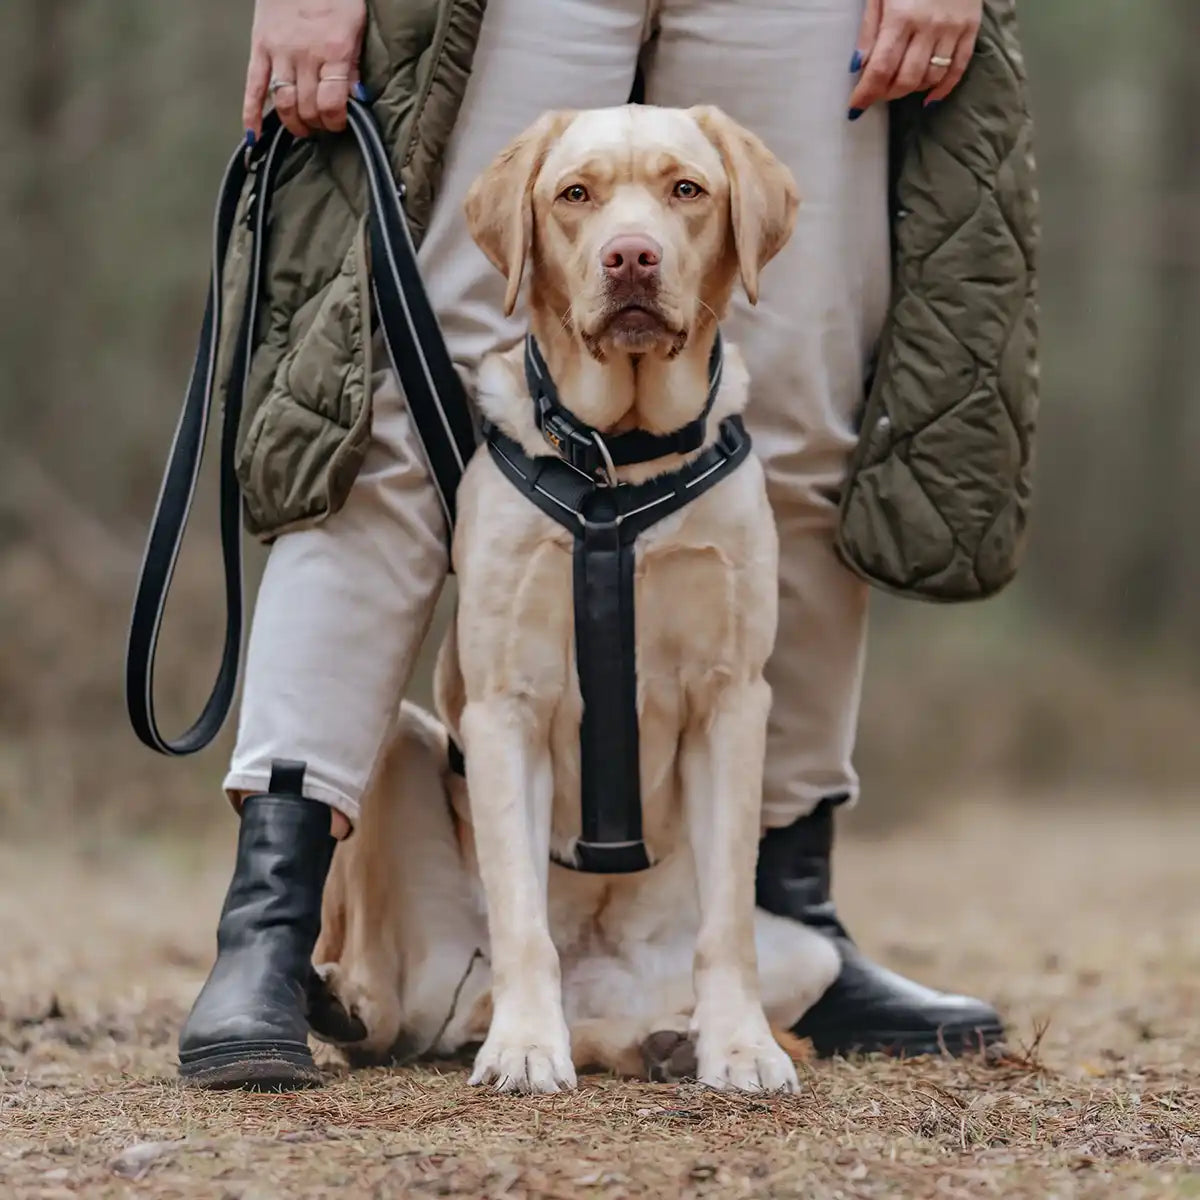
(575, 194)
(687, 189)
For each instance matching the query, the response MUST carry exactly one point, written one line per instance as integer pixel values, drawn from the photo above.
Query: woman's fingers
(307, 83)
(907, 46)
(333, 93)
(882, 65)
(258, 78)
(940, 61)
(868, 31)
(285, 95)
(304, 59)
(915, 66)
(961, 59)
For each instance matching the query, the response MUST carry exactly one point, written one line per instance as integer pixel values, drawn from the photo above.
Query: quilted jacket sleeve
(938, 494)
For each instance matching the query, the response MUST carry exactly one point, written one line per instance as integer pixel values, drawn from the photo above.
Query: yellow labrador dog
(446, 921)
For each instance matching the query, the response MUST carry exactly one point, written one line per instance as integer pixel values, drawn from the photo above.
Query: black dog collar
(584, 448)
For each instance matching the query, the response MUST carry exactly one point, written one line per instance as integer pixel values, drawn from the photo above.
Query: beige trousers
(344, 607)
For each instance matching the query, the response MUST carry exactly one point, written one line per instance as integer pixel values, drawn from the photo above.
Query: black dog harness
(577, 488)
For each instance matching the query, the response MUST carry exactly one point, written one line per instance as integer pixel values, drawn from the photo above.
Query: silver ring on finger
(334, 79)
(941, 60)
(278, 84)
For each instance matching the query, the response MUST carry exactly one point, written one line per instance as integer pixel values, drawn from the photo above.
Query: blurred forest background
(1080, 685)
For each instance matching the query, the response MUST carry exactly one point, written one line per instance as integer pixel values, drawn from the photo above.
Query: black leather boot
(867, 1008)
(249, 1025)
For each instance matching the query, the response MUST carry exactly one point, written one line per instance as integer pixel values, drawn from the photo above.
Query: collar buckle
(568, 441)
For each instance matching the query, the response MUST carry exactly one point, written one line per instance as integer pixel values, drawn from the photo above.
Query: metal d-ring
(610, 469)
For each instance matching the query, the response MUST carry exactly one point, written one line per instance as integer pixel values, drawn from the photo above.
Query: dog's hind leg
(796, 965)
(397, 903)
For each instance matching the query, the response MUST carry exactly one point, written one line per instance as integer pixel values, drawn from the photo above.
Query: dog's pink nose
(631, 258)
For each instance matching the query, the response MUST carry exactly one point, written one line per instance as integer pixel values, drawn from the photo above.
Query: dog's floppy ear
(499, 205)
(762, 194)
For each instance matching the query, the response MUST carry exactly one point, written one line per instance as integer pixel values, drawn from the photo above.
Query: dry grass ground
(1086, 929)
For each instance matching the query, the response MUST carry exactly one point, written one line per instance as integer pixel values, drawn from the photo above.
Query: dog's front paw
(754, 1063)
(525, 1059)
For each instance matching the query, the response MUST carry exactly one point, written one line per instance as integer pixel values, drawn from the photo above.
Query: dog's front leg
(509, 779)
(722, 774)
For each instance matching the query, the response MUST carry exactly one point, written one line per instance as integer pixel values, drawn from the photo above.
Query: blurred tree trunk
(39, 106)
(1160, 572)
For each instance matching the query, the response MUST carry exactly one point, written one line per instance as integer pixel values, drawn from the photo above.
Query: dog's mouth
(635, 319)
(636, 328)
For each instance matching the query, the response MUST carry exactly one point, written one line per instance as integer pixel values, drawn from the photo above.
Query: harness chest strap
(605, 523)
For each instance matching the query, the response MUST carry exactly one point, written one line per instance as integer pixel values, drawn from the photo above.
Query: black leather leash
(605, 523)
(418, 355)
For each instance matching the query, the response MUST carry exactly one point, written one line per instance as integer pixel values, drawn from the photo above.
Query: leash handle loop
(419, 357)
(178, 490)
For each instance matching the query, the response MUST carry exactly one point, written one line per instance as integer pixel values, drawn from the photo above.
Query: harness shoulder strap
(419, 357)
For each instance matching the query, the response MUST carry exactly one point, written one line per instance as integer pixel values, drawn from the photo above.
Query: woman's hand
(304, 54)
(907, 46)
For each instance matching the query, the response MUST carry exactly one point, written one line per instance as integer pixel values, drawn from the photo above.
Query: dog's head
(635, 222)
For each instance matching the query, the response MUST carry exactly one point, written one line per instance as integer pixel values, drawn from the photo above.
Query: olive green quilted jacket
(937, 498)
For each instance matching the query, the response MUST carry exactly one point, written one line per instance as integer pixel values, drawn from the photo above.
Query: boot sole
(897, 1043)
(254, 1066)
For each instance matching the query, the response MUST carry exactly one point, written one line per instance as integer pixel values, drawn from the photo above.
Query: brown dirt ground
(1086, 930)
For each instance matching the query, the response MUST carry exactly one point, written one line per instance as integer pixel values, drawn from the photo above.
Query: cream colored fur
(580, 969)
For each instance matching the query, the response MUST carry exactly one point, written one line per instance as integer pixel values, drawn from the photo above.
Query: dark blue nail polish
(855, 113)
(361, 94)
(250, 139)
(856, 62)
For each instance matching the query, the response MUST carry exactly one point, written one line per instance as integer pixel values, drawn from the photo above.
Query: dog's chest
(685, 626)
